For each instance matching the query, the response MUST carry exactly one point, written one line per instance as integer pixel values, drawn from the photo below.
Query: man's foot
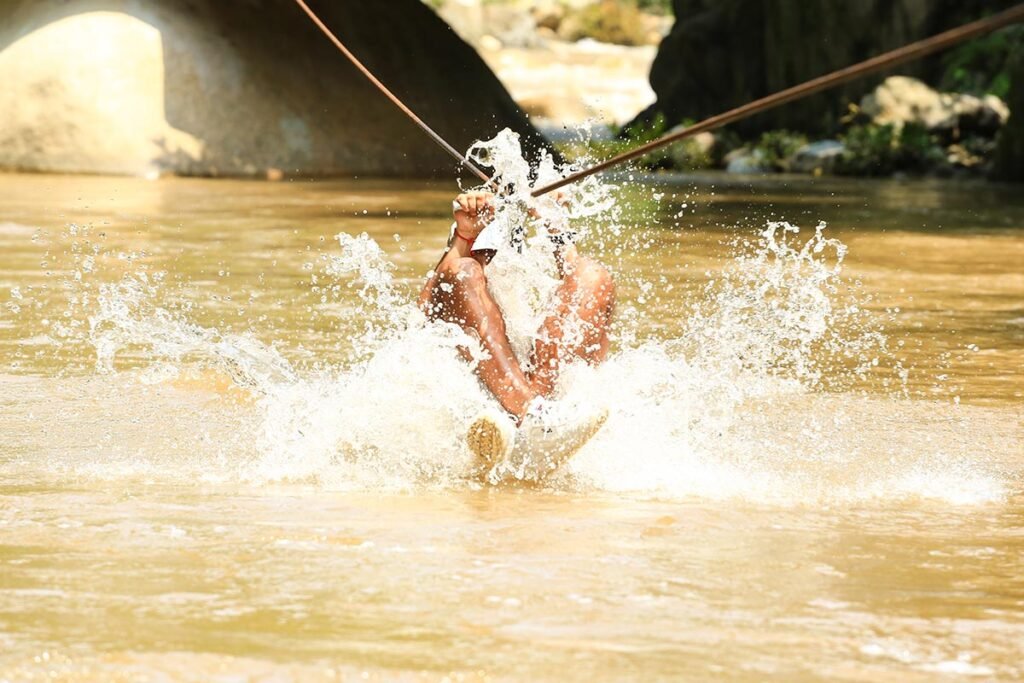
(490, 437)
(550, 434)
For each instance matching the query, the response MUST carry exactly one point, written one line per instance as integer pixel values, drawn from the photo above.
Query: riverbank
(581, 88)
(902, 128)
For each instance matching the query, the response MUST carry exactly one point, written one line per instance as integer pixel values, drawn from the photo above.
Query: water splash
(731, 400)
(777, 311)
(127, 317)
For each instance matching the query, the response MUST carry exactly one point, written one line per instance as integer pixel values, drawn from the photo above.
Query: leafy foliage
(640, 133)
(981, 66)
(610, 22)
(624, 140)
(877, 150)
(686, 154)
(778, 146)
(656, 6)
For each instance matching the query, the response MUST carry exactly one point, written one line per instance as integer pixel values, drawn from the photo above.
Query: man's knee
(594, 281)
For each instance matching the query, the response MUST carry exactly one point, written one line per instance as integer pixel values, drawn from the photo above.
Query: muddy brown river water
(807, 474)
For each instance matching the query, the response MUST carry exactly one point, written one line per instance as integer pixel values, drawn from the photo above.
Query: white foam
(729, 403)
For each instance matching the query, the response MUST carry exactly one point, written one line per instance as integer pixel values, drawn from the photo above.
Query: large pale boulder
(900, 100)
(236, 88)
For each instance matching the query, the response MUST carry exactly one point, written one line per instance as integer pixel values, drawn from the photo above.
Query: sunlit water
(812, 467)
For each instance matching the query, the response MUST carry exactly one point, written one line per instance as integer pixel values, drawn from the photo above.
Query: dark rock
(724, 53)
(237, 88)
(548, 15)
(1009, 158)
(984, 115)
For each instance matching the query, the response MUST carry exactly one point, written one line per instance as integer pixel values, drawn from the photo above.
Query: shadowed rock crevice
(1009, 162)
(237, 88)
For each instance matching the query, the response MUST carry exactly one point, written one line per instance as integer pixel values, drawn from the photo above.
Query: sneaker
(550, 434)
(490, 437)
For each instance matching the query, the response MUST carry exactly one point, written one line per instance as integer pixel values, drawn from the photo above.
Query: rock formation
(237, 88)
(1009, 162)
(724, 53)
(900, 100)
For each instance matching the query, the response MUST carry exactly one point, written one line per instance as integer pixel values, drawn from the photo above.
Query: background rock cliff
(1010, 154)
(147, 87)
(723, 53)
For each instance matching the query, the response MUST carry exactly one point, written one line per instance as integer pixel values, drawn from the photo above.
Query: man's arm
(472, 211)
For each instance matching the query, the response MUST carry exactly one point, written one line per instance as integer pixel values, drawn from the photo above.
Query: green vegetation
(776, 147)
(656, 6)
(623, 140)
(685, 155)
(691, 155)
(982, 66)
(871, 149)
(608, 21)
(638, 134)
(876, 150)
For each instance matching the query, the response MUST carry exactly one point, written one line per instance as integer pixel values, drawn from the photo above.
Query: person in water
(535, 435)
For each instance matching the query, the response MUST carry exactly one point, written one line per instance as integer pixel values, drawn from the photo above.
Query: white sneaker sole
(553, 463)
(535, 469)
(488, 440)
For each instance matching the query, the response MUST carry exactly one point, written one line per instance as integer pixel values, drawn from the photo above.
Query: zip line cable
(916, 50)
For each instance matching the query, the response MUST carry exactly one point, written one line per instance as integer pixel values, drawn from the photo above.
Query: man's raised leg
(548, 432)
(577, 328)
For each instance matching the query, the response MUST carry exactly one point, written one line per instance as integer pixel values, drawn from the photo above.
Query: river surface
(229, 449)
